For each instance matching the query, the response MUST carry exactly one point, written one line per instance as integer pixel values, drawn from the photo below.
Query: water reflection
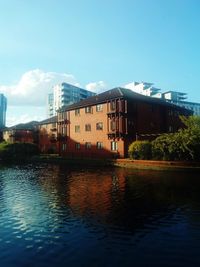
(98, 217)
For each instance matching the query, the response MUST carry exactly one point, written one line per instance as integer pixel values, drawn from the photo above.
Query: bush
(140, 150)
(17, 151)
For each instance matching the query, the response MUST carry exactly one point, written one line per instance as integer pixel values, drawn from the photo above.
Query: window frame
(88, 145)
(88, 110)
(77, 112)
(99, 145)
(114, 146)
(88, 127)
(77, 129)
(98, 127)
(99, 107)
(77, 146)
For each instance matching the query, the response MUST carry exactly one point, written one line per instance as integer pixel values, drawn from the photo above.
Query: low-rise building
(47, 135)
(104, 125)
(23, 133)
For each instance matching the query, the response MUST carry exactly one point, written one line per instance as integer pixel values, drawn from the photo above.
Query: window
(99, 126)
(64, 146)
(114, 146)
(77, 112)
(88, 145)
(63, 130)
(99, 107)
(112, 105)
(170, 129)
(88, 110)
(88, 127)
(99, 145)
(77, 128)
(113, 125)
(77, 146)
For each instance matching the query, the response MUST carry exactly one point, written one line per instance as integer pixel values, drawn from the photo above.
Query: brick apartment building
(47, 135)
(22, 133)
(104, 125)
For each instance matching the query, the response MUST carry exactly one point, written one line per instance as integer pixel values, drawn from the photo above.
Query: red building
(104, 125)
(22, 133)
(47, 135)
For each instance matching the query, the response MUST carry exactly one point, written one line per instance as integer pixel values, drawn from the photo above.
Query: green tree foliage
(140, 150)
(182, 145)
(17, 151)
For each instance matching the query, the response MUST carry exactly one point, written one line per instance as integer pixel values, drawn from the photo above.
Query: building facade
(3, 108)
(65, 94)
(179, 98)
(22, 133)
(174, 97)
(104, 125)
(47, 135)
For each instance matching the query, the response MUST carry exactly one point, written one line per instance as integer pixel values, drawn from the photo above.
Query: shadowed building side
(47, 135)
(106, 124)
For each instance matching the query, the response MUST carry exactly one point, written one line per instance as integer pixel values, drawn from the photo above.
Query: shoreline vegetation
(183, 145)
(28, 153)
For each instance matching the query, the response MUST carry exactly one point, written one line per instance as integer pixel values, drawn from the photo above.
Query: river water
(52, 215)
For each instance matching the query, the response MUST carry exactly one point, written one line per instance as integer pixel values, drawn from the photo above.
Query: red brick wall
(92, 136)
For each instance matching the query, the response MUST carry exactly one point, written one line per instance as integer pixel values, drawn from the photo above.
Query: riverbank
(157, 164)
(124, 163)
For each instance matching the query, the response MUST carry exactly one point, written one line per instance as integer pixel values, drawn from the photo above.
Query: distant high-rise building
(3, 108)
(63, 95)
(144, 88)
(174, 97)
(50, 109)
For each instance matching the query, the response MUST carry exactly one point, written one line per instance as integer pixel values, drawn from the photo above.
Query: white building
(3, 108)
(144, 88)
(65, 94)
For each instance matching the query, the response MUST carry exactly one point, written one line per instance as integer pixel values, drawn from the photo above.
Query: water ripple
(53, 216)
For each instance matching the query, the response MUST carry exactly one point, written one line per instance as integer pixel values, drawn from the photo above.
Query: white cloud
(27, 97)
(14, 120)
(23, 114)
(97, 87)
(33, 87)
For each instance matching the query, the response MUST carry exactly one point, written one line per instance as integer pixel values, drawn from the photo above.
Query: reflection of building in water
(95, 193)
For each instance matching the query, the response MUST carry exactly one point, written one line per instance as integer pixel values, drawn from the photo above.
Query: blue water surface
(53, 215)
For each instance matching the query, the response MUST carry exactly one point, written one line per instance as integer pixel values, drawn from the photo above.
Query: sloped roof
(114, 93)
(49, 120)
(23, 126)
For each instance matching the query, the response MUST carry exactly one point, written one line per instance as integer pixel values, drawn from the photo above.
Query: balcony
(54, 129)
(116, 134)
(61, 137)
(53, 140)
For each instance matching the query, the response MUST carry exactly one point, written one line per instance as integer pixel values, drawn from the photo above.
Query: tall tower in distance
(63, 95)
(3, 108)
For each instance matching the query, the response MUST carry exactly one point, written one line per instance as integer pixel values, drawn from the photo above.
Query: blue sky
(84, 41)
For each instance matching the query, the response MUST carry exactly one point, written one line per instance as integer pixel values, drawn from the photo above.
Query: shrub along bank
(17, 151)
(182, 145)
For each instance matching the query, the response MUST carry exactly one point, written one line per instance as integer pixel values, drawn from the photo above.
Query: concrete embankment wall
(154, 164)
